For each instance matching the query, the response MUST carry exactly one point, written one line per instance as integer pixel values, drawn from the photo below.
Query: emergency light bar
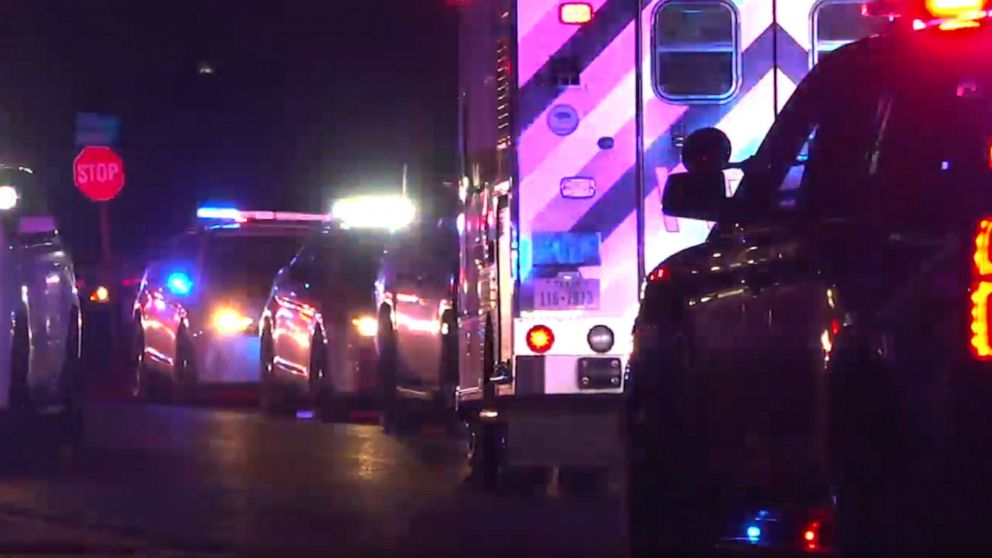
(374, 212)
(238, 216)
(940, 10)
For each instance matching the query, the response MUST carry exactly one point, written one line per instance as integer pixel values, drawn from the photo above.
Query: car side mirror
(699, 195)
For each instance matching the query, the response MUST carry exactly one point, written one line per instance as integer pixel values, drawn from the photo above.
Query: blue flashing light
(179, 283)
(753, 533)
(218, 213)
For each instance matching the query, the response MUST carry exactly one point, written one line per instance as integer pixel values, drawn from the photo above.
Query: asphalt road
(169, 480)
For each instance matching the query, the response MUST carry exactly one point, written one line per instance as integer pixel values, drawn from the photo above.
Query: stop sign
(98, 173)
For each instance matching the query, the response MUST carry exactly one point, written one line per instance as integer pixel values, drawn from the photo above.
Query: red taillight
(811, 535)
(540, 339)
(659, 274)
(575, 13)
(981, 290)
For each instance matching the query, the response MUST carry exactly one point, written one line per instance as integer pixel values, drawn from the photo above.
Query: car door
(422, 294)
(295, 313)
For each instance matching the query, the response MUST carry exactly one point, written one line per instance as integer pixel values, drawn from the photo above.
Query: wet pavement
(171, 480)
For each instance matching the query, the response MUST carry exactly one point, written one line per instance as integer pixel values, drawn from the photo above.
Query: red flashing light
(811, 535)
(981, 291)
(575, 13)
(540, 339)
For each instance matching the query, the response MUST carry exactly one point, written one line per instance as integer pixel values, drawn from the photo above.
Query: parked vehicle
(198, 306)
(815, 376)
(417, 337)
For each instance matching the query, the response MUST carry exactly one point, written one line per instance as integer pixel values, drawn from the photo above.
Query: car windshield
(351, 261)
(247, 262)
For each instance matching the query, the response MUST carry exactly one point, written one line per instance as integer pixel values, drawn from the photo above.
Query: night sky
(308, 98)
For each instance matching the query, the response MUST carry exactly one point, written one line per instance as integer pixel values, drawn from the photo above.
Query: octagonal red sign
(98, 173)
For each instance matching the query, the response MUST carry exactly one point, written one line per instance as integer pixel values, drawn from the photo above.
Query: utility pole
(404, 180)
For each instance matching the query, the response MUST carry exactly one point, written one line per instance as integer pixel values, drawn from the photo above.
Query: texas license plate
(566, 294)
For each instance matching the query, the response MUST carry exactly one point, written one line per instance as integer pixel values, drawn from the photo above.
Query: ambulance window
(696, 55)
(838, 22)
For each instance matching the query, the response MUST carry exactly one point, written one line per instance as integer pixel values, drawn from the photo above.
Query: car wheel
(871, 454)
(72, 385)
(448, 370)
(273, 397)
(185, 378)
(391, 413)
(20, 400)
(667, 511)
(139, 390)
(321, 391)
(485, 457)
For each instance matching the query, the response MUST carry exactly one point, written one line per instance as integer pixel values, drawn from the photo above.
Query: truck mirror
(696, 195)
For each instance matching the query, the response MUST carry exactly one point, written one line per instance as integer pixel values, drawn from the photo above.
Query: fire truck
(572, 115)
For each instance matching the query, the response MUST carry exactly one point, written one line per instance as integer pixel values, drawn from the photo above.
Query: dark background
(309, 98)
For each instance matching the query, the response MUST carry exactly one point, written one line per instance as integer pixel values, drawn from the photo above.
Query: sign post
(99, 174)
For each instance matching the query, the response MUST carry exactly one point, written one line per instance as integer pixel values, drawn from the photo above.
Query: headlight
(366, 326)
(600, 339)
(228, 321)
(8, 198)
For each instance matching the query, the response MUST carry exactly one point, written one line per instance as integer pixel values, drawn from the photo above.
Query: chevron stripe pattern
(773, 47)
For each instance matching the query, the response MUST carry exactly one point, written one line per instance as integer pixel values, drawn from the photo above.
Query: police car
(817, 376)
(319, 325)
(40, 372)
(197, 309)
(417, 338)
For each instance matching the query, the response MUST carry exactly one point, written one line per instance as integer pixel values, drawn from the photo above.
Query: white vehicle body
(40, 373)
(573, 115)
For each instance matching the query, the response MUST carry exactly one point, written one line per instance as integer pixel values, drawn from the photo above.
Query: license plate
(566, 294)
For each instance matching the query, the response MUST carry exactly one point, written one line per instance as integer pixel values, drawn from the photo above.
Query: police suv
(817, 376)
(40, 372)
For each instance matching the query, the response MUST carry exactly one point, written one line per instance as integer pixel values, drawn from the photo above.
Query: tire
(667, 509)
(483, 447)
(20, 396)
(320, 391)
(149, 386)
(185, 378)
(485, 458)
(872, 448)
(73, 422)
(139, 390)
(273, 398)
(391, 413)
(448, 372)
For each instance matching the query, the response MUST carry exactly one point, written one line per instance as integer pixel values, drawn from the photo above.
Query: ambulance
(572, 115)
